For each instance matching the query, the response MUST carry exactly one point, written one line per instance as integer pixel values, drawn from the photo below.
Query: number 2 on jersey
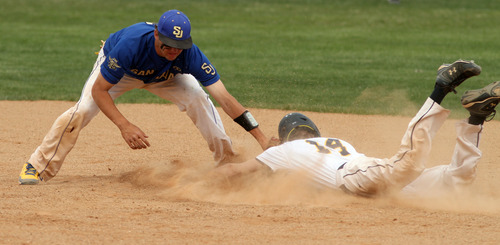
(333, 144)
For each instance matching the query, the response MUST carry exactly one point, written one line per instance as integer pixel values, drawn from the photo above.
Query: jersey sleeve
(200, 67)
(274, 157)
(117, 61)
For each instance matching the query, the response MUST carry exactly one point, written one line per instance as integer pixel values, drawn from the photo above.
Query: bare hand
(272, 142)
(135, 138)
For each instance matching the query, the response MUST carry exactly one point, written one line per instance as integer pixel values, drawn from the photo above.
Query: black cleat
(482, 102)
(451, 75)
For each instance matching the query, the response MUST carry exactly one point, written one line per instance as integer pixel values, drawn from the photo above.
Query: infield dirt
(107, 193)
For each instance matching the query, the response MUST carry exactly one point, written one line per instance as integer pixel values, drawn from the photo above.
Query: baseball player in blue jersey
(162, 59)
(334, 163)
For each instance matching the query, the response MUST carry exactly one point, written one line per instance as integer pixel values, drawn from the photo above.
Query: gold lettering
(178, 32)
(209, 69)
(142, 73)
(165, 76)
(113, 64)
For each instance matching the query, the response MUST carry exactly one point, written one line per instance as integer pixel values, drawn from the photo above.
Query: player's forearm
(247, 122)
(100, 93)
(234, 169)
(260, 137)
(226, 171)
(237, 112)
(228, 103)
(108, 107)
(232, 107)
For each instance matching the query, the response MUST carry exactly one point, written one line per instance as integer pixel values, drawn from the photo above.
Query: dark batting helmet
(296, 126)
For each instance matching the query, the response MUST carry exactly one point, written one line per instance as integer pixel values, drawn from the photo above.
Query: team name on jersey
(142, 73)
(164, 76)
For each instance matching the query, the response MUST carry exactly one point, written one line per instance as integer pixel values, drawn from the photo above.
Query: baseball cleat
(29, 175)
(451, 75)
(482, 102)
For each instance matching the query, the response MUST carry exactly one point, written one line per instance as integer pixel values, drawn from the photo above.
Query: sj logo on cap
(177, 32)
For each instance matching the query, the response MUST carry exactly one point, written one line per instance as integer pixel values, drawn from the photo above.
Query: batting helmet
(296, 126)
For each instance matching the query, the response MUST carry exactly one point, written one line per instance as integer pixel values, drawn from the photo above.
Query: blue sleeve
(200, 67)
(117, 60)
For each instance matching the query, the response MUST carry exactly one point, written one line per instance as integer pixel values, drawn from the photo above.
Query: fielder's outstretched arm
(234, 169)
(234, 109)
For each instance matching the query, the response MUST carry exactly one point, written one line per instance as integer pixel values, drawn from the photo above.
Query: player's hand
(135, 138)
(272, 142)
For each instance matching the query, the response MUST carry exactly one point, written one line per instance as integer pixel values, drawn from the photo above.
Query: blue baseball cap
(174, 29)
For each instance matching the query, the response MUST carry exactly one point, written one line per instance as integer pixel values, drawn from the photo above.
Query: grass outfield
(356, 56)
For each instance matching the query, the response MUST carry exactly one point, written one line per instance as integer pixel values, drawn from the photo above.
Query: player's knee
(198, 96)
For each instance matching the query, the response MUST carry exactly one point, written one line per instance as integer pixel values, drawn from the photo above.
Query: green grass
(356, 56)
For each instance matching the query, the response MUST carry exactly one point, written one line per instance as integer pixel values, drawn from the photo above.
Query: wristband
(247, 121)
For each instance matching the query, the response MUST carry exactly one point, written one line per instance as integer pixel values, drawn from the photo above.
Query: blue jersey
(131, 51)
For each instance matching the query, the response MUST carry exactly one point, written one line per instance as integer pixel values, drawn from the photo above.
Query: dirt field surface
(107, 193)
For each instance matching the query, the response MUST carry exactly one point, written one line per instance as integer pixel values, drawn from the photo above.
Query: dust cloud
(179, 180)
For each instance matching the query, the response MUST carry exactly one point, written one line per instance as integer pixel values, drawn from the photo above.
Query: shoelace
(30, 170)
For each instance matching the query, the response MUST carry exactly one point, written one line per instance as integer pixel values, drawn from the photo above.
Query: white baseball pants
(459, 173)
(370, 176)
